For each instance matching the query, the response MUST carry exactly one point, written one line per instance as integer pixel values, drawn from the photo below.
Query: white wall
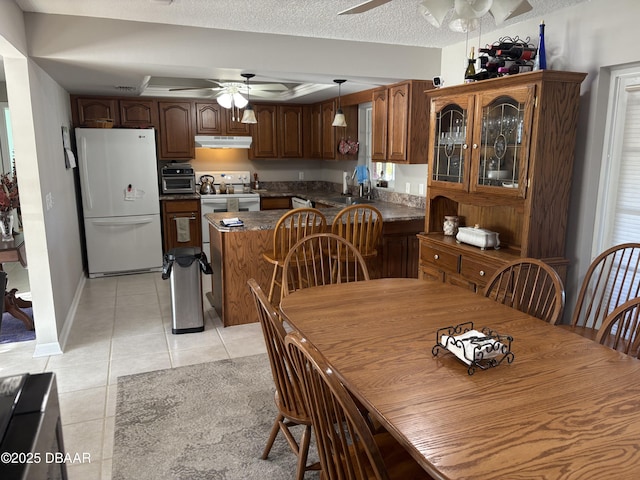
(591, 38)
(39, 108)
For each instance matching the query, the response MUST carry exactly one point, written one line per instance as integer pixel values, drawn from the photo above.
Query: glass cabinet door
(503, 128)
(451, 127)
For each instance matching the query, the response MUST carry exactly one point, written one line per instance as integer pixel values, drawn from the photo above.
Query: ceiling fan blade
(194, 88)
(273, 87)
(364, 7)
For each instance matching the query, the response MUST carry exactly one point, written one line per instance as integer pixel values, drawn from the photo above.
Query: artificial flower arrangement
(9, 196)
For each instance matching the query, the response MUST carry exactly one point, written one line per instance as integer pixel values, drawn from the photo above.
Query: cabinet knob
(436, 257)
(475, 145)
(464, 146)
(482, 273)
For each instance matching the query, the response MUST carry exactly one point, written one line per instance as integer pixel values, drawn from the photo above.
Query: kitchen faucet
(364, 189)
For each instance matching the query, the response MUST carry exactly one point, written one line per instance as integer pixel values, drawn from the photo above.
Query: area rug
(13, 330)
(207, 421)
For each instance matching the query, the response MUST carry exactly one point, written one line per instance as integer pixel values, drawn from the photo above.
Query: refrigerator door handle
(115, 222)
(85, 168)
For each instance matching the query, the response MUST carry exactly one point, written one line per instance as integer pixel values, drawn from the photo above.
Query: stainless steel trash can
(182, 266)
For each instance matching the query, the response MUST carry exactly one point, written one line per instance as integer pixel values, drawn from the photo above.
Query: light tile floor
(122, 327)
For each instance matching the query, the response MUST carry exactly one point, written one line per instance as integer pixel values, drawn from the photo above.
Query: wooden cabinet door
(290, 131)
(265, 138)
(379, 114)
(501, 133)
(315, 134)
(138, 113)
(328, 130)
(209, 119)
(176, 134)
(233, 125)
(398, 121)
(174, 211)
(450, 138)
(97, 108)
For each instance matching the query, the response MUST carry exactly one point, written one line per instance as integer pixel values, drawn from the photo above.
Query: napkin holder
(481, 349)
(478, 237)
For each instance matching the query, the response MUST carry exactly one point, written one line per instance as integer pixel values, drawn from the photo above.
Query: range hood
(221, 141)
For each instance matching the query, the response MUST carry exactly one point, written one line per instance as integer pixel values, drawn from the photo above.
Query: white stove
(235, 182)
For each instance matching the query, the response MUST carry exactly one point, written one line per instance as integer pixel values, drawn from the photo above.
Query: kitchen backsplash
(322, 186)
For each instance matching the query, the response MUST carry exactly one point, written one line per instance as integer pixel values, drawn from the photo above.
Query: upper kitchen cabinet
(213, 119)
(138, 113)
(501, 157)
(278, 133)
(176, 133)
(233, 125)
(125, 112)
(84, 109)
(321, 137)
(399, 122)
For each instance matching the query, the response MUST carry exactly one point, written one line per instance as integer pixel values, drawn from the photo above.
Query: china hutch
(501, 155)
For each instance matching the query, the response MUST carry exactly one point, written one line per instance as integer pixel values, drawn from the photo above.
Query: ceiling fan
(231, 87)
(462, 15)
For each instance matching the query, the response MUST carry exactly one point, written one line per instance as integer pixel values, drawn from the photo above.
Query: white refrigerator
(120, 201)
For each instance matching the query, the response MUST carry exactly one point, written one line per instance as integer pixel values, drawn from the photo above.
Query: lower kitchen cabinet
(400, 248)
(181, 224)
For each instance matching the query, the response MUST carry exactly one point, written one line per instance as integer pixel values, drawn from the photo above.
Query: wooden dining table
(564, 408)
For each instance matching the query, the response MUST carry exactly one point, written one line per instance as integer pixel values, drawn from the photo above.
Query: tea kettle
(206, 185)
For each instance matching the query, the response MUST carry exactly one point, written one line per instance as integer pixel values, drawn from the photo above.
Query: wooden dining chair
(289, 401)
(362, 226)
(322, 259)
(348, 448)
(612, 278)
(620, 330)
(291, 227)
(528, 285)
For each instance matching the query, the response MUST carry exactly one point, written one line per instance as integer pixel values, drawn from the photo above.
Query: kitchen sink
(350, 200)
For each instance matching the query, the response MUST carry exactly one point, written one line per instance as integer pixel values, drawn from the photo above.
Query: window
(618, 210)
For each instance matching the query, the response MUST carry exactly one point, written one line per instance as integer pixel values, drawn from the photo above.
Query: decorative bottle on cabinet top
(540, 62)
(470, 72)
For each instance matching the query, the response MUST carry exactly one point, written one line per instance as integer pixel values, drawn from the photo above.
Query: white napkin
(484, 346)
(183, 229)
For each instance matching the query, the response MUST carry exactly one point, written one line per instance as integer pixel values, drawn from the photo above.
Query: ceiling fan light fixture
(239, 101)
(503, 10)
(468, 9)
(339, 120)
(224, 100)
(463, 25)
(435, 11)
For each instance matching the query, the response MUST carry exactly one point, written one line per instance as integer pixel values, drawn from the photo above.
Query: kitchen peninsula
(236, 253)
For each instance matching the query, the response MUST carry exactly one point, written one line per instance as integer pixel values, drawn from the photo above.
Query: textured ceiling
(308, 18)
(397, 22)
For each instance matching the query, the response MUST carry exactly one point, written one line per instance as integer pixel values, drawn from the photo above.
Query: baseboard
(47, 349)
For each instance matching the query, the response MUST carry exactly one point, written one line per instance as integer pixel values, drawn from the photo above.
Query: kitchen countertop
(267, 219)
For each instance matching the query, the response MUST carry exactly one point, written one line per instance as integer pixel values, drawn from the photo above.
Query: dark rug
(207, 421)
(14, 330)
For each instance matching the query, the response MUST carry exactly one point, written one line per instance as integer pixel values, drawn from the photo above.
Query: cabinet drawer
(458, 281)
(174, 206)
(430, 273)
(440, 258)
(476, 271)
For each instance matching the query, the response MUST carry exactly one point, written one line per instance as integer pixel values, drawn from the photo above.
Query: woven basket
(99, 123)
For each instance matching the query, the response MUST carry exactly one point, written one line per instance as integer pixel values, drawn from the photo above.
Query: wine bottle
(541, 58)
(517, 53)
(470, 72)
(492, 49)
(515, 68)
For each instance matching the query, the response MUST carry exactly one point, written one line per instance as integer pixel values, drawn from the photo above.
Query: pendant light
(339, 120)
(249, 116)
